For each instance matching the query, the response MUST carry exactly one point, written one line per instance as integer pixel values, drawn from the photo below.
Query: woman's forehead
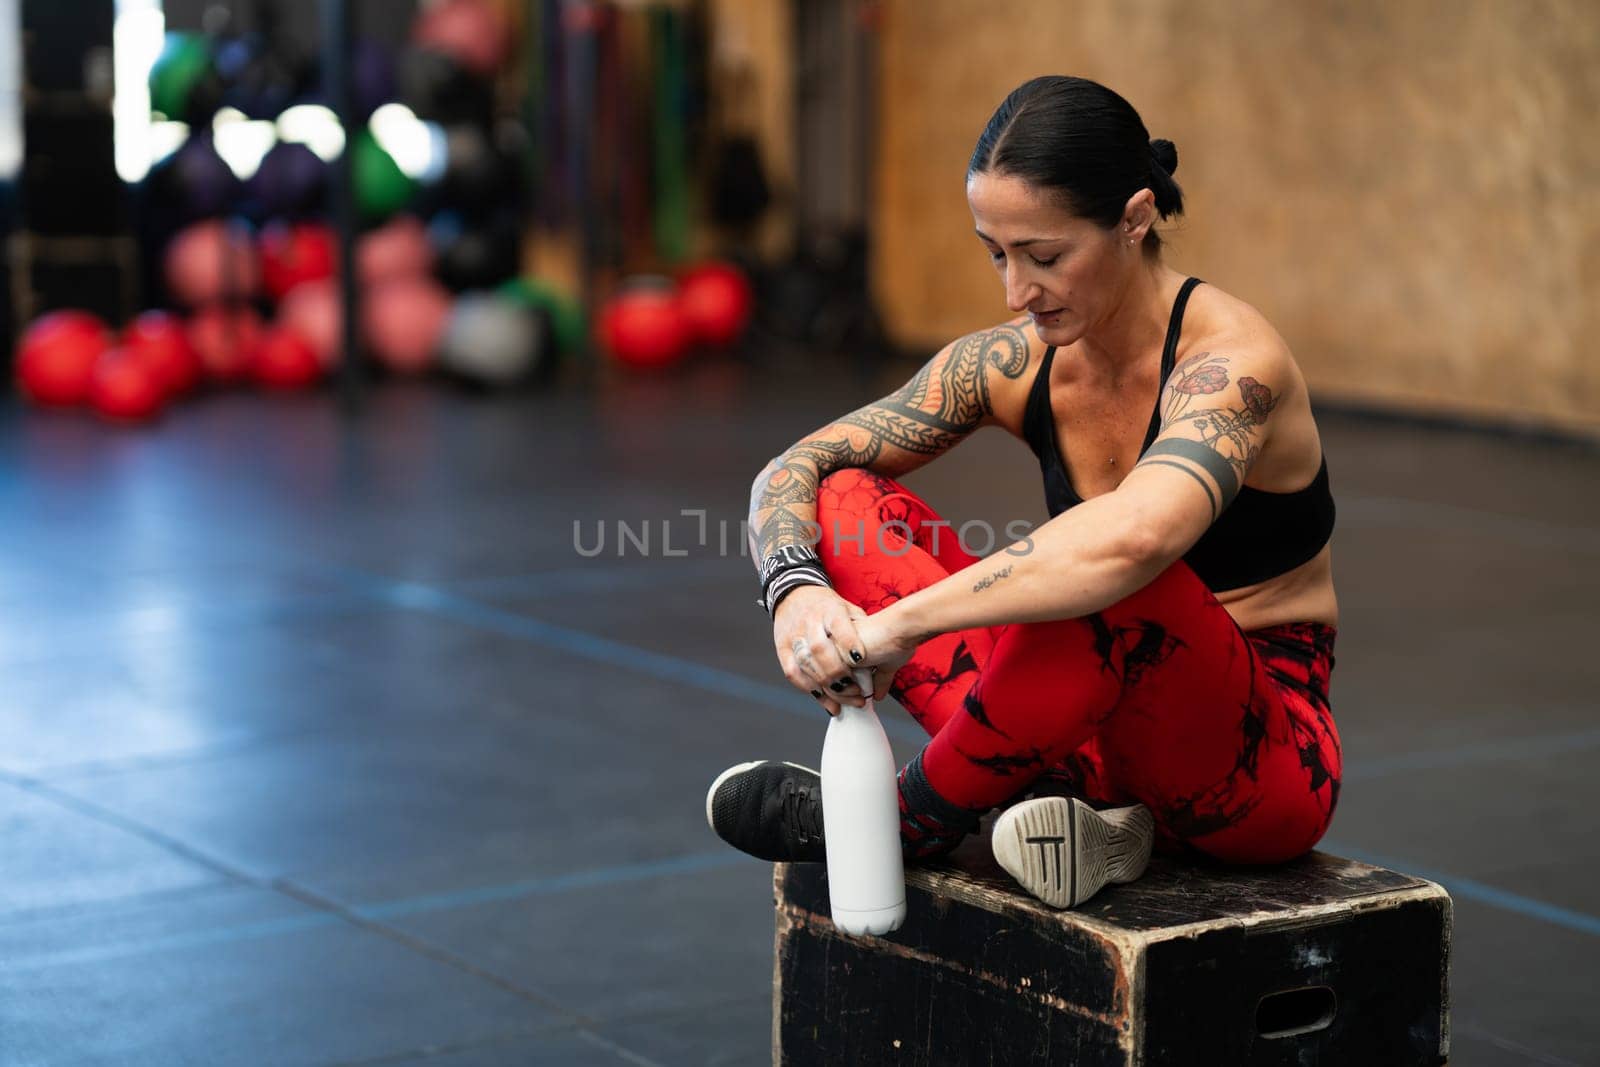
(1008, 209)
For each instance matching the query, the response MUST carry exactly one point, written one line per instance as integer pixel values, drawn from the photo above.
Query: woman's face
(1063, 270)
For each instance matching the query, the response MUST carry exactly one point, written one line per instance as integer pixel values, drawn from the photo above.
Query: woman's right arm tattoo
(946, 400)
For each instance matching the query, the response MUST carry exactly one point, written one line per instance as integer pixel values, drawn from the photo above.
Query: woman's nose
(1019, 291)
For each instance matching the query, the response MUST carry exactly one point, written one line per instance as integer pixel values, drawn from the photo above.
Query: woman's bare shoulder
(1216, 318)
(1235, 334)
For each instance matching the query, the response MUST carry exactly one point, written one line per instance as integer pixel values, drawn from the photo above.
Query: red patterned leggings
(1160, 699)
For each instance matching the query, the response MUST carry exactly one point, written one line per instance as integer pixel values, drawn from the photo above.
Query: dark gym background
(324, 739)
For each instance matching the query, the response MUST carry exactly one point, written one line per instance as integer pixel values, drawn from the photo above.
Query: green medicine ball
(184, 87)
(566, 317)
(381, 187)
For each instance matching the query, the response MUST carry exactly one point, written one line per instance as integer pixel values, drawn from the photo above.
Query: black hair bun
(1166, 154)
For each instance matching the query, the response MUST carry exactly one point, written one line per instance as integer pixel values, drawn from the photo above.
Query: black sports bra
(1261, 534)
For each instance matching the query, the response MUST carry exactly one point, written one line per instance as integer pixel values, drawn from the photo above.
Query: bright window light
(10, 90)
(417, 147)
(242, 142)
(137, 36)
(315, 127)
(165, 138)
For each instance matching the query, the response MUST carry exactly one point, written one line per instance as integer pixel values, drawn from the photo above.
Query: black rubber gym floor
(324, 741)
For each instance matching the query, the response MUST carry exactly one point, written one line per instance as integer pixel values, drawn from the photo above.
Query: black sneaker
(771, 810)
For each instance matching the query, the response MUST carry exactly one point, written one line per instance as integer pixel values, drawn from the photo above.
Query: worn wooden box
(1322, 961)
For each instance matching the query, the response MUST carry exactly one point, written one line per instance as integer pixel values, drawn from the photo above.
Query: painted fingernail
(855, 657)
(837, 687)
(817, 693)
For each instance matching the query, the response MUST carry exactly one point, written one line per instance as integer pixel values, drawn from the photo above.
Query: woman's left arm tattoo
(988, 580)
(1227, 436)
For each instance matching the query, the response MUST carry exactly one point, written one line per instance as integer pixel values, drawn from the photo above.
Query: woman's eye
(997, 257)
(1045, 262)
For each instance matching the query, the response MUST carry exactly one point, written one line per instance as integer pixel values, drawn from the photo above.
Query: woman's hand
(822, 640)
(814, 633)
(885, 644)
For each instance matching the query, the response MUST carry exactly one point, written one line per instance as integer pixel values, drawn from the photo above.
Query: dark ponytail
(1085, 144)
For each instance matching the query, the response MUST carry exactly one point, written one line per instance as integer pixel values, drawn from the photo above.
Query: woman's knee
(849, 506)
(854, 490)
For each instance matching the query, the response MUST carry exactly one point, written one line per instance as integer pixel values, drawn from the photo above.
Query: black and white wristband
(786, 558)
(786, 570)
(788, 581)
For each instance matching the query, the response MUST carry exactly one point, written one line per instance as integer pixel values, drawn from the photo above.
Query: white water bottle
(861, 821)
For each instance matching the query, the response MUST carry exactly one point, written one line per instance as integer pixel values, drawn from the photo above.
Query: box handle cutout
(1294, 1012)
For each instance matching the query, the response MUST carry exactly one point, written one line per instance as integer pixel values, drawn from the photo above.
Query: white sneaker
(1063, 851)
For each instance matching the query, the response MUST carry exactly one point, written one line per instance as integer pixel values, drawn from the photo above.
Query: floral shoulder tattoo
(1225, 426)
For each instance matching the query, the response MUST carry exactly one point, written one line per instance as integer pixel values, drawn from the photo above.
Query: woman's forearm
(783, 505)
(1077, 563)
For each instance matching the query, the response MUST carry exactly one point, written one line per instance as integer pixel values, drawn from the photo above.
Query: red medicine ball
(226, 339)
(160, 341)
(211, 261)
(313, 311)
(473, 32)
(645, 328)
(125, 388)
(56, 360)
(290, 255)
(403, 321)
(285, 360)
(397, 249)
(717, 301)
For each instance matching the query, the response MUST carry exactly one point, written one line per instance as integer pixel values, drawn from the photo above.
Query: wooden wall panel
(757, 37)
(1411, 192)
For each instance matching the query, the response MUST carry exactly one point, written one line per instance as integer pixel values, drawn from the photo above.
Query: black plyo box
(1320, 961)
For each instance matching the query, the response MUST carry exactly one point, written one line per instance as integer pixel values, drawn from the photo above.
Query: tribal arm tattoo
(1208, 434)
(946, 400)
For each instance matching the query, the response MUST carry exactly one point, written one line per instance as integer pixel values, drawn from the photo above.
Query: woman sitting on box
(1156, 656)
